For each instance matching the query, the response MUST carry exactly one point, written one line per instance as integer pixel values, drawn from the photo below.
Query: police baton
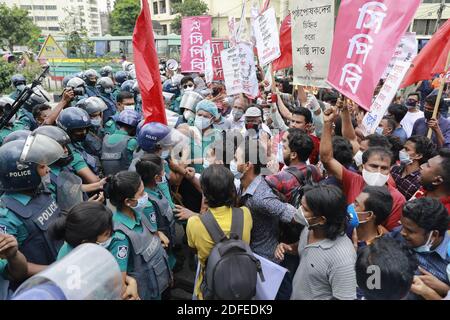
(23, 97)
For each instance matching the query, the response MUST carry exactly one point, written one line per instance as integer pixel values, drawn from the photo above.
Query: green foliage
(187, 9)
(6, 71)
(123, 17)
(16, 27)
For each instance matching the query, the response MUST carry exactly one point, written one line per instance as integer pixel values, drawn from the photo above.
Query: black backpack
(231, 268)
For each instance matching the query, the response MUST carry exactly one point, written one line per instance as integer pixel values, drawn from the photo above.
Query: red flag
(147, 68)
(285, 60)
(431, 59)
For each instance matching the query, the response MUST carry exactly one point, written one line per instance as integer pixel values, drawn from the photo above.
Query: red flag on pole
(147, 68)
(285, 60)
(431, 59)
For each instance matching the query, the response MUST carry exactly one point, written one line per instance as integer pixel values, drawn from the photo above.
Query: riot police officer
(27, 208)
(76, 122)
(128, 86)
(12, 125)
(90, 78)
(106, 71)
(125, 101)
(95, 107)
(19, 82)
(105, 87)
(79, 89)
(118, 148)
(119, 78)
(25, 115)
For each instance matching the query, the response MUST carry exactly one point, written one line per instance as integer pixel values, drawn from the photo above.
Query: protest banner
(194, 32)
(312, 36)
(239, 70)
(216, 47)
(367, 33)
(266, 36)
(407, 45)
(209, 73)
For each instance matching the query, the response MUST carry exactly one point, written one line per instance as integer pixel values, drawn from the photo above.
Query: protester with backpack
(218, 188)
(327, 256)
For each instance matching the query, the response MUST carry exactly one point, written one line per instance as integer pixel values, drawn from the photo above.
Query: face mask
(253, 126)
(280, 157)
(205, 163)
(131, 107)
(141, 203)
(108, 90)
(375, 179)
(404, 157)
(428, 114)
(234, 170)
(426, 247)
(105, 244)
(379, 131)
(358, 158)
(411, 104)
(188, 89)
(353, 216)
(202, 123)
(165, 154)
(237, 114)
(20, 87)
(188, 114)
(266, 116)
(300, 218)
(46, 179)
(96, 122)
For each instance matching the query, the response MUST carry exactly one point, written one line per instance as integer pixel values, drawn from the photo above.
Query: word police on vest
(52, 208)
(20, 173)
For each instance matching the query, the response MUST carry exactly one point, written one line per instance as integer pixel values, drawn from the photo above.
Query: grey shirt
(267, 211)
(326, 269)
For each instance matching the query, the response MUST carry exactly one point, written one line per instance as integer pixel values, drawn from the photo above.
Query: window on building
(53, 28)
(52, 18)
(26, 7)
(50, 7)
(162, 6)
(38, 7)
(435, 1)
(426, 26)
(164, 29)
(39, 18)
(155, 7)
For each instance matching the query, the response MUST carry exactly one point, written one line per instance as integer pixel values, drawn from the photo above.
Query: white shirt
(408, 121)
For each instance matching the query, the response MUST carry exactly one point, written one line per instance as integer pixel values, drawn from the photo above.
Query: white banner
(378, 108)
(406, 46)
(209, 74)
(267, 38)
(312, 39)
(239, 70)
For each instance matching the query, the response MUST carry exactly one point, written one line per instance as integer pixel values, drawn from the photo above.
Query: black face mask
(428, 114)
(78, 138)
(411, 103)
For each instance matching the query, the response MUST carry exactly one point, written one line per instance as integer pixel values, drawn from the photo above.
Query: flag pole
(439, 96)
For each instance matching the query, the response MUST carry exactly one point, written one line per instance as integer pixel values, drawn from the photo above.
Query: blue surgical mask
(105, 244)
(404, 157)
(234, 170)
(205, 163)
(379, 131)
(96, 122)
(201, 122)
(353, 216)
(141, 203)
(426, 247)
(165, 154)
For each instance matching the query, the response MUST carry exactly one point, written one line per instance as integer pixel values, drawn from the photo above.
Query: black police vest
(37, 216)
(114, 156)
(150, 262)
(164, 216)
(93, 144)
(90, 160)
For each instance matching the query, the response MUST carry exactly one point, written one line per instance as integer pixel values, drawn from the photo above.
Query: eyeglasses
(187, 85)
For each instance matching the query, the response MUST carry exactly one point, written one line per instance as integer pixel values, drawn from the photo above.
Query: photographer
(67, 96)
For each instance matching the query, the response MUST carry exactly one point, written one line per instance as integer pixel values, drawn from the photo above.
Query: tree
(6, 72)
(123, 17)
(188, 8)
(16, 27)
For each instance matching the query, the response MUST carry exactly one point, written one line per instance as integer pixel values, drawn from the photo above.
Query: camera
(78, 91)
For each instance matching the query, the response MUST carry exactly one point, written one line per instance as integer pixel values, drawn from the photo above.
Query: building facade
(426, 17)
(49, 14)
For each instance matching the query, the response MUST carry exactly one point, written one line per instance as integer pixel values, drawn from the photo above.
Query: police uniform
(87, 159)
(27, 120)
(4, 283)
(110, 126)
(117, 151)
(118, 247)
(148, 261)
(91, 91)
(6, 130)
(27, 219)
(111, 104)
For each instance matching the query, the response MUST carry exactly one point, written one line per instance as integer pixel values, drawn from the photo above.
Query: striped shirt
(326, 269)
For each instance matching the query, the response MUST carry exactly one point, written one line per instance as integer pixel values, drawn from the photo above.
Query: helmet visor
(173, 138)
(41, 149)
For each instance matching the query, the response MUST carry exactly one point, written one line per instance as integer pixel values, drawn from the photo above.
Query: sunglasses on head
(187, 85)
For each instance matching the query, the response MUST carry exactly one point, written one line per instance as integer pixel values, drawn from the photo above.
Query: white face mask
(46, 179)
(141, 203)
(189, 89)
(358, 158)
(375, 179)
(131, 107)
(165, 154)
(96, 122)
(105, 244)
(280, 157)
(426, 247)
(234, 170)
(299, 217)
(188, 114)
(404, 157)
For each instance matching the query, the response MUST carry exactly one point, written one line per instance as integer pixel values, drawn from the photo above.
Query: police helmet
(19, 160)
(76, 82)
(90, 73)
(129, 117)
(92, 105)
(132, 73)
(121, 77)
(151, 134)
(105, 85)
(33, 101)
(136, 88)
(17, 135)
(5, 104)
(106, 71)
(61, 137)
(73, 118)
(128, 86)
(66, 79)
(18, 79)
